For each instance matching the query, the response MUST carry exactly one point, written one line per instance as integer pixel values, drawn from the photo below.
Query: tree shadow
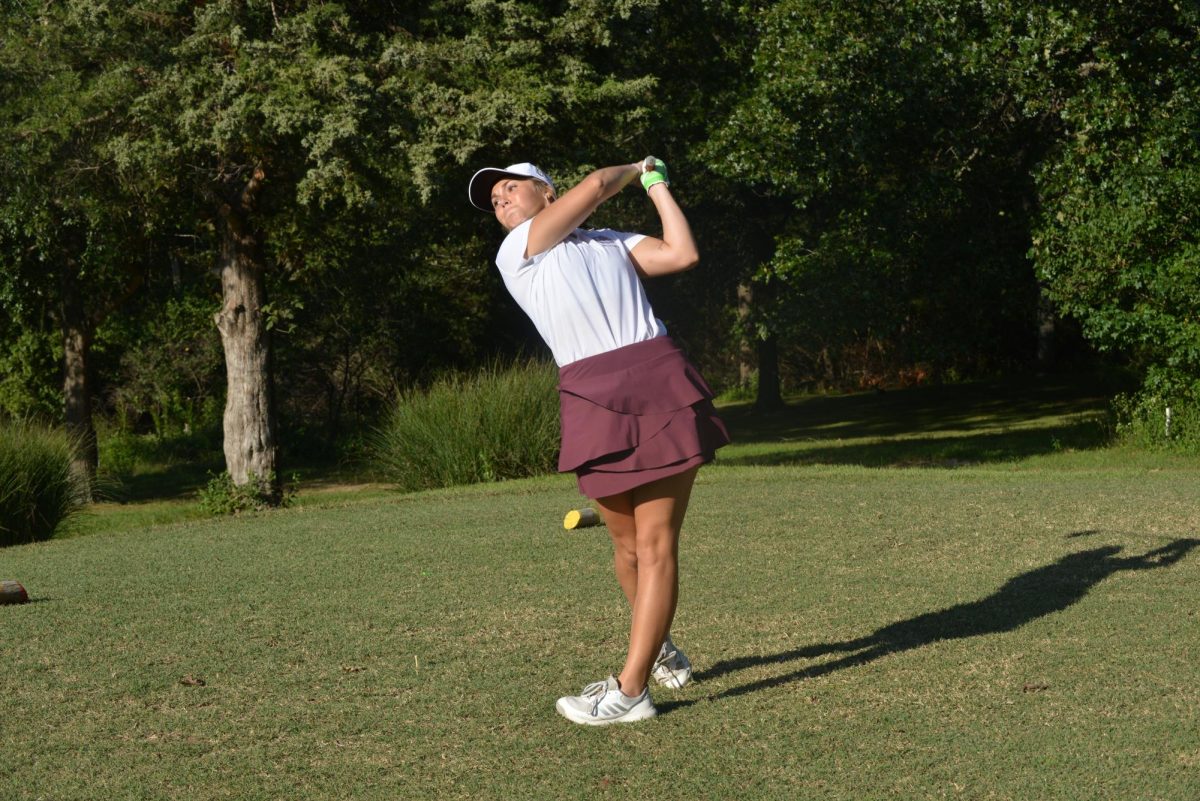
(172, 482)
(948, 451)
(954, 425)
(1022, 599)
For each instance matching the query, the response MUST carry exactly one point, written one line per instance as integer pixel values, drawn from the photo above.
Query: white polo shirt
(583, 295)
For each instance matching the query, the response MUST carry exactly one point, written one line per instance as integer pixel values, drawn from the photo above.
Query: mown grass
(1016, 627)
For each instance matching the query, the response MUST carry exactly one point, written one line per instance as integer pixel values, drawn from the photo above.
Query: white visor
(480, 188)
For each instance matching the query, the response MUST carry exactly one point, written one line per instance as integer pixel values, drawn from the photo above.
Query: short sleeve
(627, 239)
(511, 257)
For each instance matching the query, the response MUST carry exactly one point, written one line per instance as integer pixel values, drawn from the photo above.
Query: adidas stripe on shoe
(602, 703)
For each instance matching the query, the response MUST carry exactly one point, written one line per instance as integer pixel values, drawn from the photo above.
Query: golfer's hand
(654, 172)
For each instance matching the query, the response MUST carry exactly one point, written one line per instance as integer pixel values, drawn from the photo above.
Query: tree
(888, 133)
(306, 147)
(256, 112)
(574, 86)
(71, 237)
(1117, 242)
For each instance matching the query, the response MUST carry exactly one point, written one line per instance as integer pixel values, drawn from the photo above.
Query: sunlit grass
(858, 633)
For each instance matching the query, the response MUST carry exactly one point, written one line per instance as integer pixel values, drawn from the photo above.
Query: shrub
(38, 489)
(1149, 421)
(125, 454)
(172, 375)
(222, 497)
(498, 424)
(744, 392)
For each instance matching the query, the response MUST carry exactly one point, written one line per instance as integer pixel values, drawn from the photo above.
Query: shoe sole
(632, 716)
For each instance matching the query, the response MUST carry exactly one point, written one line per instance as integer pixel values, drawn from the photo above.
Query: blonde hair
(544, 187)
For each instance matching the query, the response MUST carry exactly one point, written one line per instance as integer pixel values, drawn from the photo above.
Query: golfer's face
(515, 200)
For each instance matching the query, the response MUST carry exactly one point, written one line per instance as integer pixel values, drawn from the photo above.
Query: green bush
(222, 497)
(38, 489)
(124, 454)
(498, 424)
(29, 378)
(172, 373)
(745, 392)
(1149, 421)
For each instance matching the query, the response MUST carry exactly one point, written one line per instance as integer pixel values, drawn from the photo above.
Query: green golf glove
(654, 171)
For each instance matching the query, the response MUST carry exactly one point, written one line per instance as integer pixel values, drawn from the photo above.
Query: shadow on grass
(1021, 600)
(959, 451)
(990, 422)
(172, 482)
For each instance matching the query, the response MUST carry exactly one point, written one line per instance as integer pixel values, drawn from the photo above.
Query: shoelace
(596, 691)
(667, 662)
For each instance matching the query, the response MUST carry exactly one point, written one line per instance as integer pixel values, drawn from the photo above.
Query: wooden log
(581, 518)
(11, 592)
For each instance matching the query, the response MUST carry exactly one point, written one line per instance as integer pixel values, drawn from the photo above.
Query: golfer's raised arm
(676, 251)
(568, 212)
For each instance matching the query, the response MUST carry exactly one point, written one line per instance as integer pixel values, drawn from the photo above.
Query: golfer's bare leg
(658, 510)
(617, 511)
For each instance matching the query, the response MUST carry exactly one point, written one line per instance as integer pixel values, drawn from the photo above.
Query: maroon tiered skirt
(634, 415)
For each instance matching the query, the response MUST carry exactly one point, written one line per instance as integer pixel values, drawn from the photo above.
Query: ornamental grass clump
(497, 424)
(38, 489)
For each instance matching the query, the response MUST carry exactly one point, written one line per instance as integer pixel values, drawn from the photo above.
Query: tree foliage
(890, 134)
(892, 187)
(73, 241)
(1117, 243)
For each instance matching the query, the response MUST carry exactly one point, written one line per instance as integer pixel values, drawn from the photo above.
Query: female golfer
(637, 418)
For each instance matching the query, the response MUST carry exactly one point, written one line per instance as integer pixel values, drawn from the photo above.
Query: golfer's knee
(656, 546)
(626, 555)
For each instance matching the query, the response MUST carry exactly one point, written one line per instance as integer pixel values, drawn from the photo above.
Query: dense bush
(38, 490)
(1117, 245)
(124, 454)
(171, 378)
(498, 424)
(1149, 421)
(30, 383)
(222, 497)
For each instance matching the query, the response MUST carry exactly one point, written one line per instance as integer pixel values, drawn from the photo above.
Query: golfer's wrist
(652, 179)
(654, 172)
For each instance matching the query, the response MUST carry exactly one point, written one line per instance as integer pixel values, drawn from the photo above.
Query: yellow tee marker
(581, 518)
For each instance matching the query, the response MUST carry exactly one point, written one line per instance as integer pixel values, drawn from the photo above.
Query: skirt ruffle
(634, 415)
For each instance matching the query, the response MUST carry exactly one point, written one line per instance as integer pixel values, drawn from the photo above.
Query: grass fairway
(966, 602)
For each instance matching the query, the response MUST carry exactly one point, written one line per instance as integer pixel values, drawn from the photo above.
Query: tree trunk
(1047, 324)
(762, 354)
(746, 357)
(769, 395)
(77, 394)
(251, 451)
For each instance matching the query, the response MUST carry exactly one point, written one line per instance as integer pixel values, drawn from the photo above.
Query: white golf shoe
(672, 668)
(602, 703)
